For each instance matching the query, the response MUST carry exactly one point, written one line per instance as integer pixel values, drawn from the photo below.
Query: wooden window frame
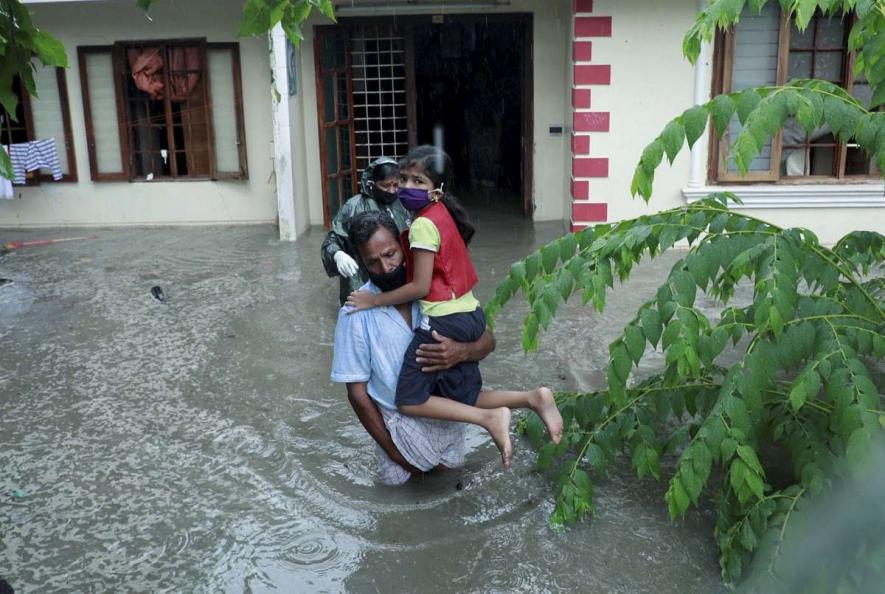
(25, 99)
(120, 72)
(338, 122)
(723, 69)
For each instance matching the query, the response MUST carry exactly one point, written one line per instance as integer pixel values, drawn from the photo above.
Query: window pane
(224, 110)
(857, 162)
(755, 64)
(103, 106)
(828, 66)
(344, 136)
(830, 32)
(331, 151)
(755, 52)
(47, 112)
(799, 65)
(342, 98)
(328, 98)
(334, 196)
(801, 39)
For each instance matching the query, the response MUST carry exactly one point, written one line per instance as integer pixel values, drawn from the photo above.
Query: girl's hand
(360, 300)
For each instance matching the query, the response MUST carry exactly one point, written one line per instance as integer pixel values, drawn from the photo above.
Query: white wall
(651, 84)
(551, 22)
(120, 203)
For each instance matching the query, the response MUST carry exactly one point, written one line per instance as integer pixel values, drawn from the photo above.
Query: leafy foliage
(802, 389)
(865, 37)
(762, 113)
(803, 384)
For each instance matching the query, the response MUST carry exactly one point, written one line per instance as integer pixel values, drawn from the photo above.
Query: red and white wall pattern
(587, 165)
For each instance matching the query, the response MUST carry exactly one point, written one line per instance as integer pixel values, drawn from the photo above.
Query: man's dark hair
(364, 225)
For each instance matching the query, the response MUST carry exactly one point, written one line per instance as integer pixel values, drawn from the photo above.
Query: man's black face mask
(390, 280)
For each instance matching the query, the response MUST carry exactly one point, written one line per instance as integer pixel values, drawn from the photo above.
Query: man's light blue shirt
(370, 346)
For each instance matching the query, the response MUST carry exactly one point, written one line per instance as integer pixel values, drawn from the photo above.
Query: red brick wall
(587, 165)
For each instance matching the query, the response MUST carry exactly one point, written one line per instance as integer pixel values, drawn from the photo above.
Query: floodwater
(197, 445)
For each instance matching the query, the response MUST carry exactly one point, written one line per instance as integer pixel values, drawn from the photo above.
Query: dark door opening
(469, 85)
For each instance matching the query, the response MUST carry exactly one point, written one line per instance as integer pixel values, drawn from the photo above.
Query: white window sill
(864, 195)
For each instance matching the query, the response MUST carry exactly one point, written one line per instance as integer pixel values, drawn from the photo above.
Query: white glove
(347, 266)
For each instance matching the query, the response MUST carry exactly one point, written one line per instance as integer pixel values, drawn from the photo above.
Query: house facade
(544, 105)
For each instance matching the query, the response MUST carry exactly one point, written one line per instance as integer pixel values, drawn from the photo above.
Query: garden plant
(799, 414)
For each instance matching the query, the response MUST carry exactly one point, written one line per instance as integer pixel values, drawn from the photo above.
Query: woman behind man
(378, 186)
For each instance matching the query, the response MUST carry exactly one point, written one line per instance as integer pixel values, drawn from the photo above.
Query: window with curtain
(768, 49)
(164, 110)
(46, 116)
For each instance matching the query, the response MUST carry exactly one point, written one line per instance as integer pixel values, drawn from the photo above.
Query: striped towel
(424, 443)
(34, 155)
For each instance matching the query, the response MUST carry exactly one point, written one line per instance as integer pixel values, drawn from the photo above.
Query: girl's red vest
(453, 271)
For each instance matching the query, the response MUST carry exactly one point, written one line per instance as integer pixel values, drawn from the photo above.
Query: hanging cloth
(34, 155)
(146, 65)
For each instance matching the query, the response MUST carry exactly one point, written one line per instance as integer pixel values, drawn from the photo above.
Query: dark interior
(468, 82)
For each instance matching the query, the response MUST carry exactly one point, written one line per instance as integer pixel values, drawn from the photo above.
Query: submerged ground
(197, 445)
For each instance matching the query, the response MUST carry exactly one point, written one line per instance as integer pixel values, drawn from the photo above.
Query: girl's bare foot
(499, 428)
(544, 406)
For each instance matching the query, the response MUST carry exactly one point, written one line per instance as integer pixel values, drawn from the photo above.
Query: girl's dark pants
(462, 382)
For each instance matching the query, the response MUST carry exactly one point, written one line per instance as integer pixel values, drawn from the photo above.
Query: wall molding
(867, 195)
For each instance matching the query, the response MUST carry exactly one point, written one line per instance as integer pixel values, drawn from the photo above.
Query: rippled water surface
(198, 445)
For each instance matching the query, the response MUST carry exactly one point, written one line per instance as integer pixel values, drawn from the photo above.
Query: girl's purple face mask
(414, 199)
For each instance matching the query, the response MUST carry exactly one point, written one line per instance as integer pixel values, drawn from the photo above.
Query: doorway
(385, 85)
(468, 93)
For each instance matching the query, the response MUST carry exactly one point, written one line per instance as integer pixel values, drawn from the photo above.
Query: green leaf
(652, 155)
(672, 139)
(545, 456)
(774, 318)
(858, 447)
(596, 457)
(748, 455)
(635, 341)
(327, 8)
(517, 273)
(721, 110)
(748, 100)
(50, 50)
(5, 165)
(695, 122)
(530, 334)
(567, 246)
(549, 257)
(620, 361)
(532, 266)
(651, 325)
(677, 498)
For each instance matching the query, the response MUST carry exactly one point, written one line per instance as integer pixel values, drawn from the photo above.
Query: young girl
(441, 275)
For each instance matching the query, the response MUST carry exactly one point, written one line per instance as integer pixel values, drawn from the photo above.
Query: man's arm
(370, 417)
(446, 353)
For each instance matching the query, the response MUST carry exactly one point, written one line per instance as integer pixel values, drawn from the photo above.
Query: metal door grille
(379, 93)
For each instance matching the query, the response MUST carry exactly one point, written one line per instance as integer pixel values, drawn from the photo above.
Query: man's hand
(442, 354)
(398, 459)
(360, 300)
